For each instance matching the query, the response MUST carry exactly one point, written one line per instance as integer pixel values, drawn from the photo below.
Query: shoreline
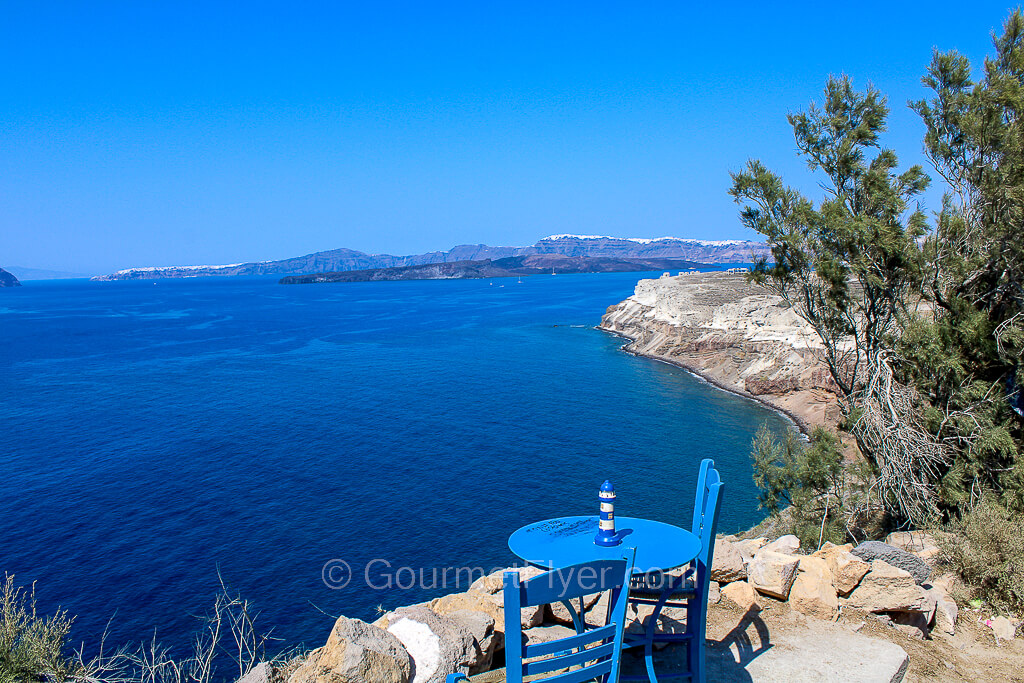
(800, 424)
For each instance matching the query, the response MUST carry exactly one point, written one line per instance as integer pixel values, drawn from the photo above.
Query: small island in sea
(8, 280)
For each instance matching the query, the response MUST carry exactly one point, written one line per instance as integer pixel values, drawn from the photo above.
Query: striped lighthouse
(606, 525)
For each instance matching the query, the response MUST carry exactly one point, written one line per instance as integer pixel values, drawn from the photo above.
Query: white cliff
(734, 334)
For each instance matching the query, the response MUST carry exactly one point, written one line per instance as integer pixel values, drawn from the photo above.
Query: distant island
(23, 273)
(8, 280)
(344, 260)
(511, 266)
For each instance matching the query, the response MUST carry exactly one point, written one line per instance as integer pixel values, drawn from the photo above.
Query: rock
(8, 280)
(1003, 629)
(727, 564)
(261, 673)
(494, 605)
(714, 593)
(946, 610)
(486, 640)
(439, 645)
(913, 624)
(876, 550)
(787, 545)
(494, 582)
(918, 543)
(887, 589)
(741, 593)
(493, 585)
(356, 652)
(847, 571)
(748, 547)
(560, 614)
(830, 548)
(545, 634)
(671, 619)
(772, 573)
(813, 593)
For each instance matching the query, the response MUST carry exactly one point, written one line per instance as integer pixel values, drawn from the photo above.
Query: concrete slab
(813, 651)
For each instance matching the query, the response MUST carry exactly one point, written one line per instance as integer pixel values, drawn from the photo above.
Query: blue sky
(162, 134)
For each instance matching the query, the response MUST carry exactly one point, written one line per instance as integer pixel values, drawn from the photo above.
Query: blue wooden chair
(690, 590)
(591, 655)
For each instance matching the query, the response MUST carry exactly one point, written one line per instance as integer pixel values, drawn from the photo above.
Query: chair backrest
(705, 521)
(596, 651)
(705, 514)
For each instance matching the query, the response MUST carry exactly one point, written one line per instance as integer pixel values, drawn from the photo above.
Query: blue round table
(564, 541)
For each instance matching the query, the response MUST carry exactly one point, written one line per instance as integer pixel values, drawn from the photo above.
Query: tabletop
(560, 542)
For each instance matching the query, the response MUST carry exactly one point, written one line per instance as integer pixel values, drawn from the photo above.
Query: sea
(326, 449)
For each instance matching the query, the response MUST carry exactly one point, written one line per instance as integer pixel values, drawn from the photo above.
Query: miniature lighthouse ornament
(606, 525)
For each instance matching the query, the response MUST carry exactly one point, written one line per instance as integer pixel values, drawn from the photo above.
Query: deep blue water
(153, 433)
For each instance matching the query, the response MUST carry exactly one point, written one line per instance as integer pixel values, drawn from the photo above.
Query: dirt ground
(971, 655)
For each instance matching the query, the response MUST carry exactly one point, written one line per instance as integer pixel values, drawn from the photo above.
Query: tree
(825, 500)
(851, 266)
(966, 357)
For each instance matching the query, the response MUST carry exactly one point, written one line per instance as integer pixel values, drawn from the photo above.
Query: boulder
(439, 645)
(830, 548)
(876, 550)
(918, 543)
(493, 605)
(847, 570)
(946, 610)
(741, 593)
(887, 589)
(671, 619)
(261, 673)
(545, 634)
(494, 582)
(558, 612)
(749, 547)
(356, 652)
(772, 573)
(714, 593)
(786, 545)
(813, 593)
(486, 640)
(727, 564)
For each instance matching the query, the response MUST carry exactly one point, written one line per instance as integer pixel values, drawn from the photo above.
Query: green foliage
(969, 354)
(31, 645)
(986, 548)
(848, 263)
(819, 497)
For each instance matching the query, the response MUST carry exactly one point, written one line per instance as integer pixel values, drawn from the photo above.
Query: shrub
(986, 548)
(31, 646)
(822, 497)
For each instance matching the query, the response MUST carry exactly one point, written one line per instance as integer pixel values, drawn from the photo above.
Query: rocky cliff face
(8, 280)
(735, 335)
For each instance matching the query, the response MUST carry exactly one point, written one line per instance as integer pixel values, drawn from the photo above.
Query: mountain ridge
(341, 260)
(510, 266)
